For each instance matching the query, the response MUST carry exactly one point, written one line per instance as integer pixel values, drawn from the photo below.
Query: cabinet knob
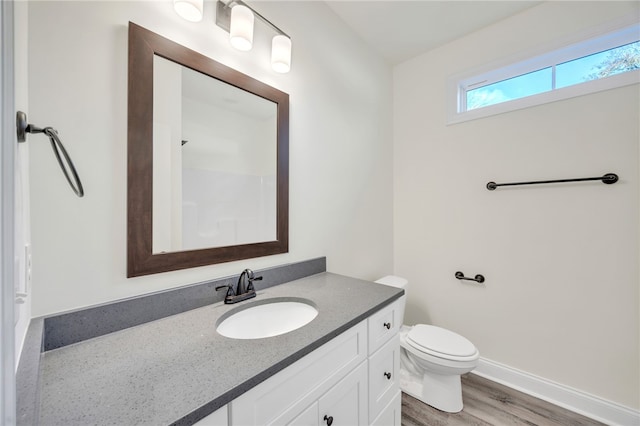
(388, 376)
(328, 419)
(387, 325)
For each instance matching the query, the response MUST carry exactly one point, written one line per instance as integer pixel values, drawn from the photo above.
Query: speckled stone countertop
(178, 369)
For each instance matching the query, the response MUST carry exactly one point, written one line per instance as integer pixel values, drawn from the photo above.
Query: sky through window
(595, 66)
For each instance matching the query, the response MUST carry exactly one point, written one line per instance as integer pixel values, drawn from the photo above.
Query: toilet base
(439, 391)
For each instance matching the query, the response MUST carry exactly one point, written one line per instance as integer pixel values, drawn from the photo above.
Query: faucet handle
(251, 278)
(229, 288)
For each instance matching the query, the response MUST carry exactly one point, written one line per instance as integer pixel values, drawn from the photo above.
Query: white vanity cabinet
(384, 366)
(348, 381)
(282, 398)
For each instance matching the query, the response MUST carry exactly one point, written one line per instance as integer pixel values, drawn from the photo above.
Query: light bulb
(241, 28)
(281, 54)
(191, 10)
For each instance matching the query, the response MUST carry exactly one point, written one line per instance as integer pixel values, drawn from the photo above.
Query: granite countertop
(178, 369)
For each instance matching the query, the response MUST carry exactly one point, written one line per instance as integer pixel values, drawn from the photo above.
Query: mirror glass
(207, 160)
(214, 162)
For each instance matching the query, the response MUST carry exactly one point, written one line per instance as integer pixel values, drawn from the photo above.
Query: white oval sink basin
(267, 320)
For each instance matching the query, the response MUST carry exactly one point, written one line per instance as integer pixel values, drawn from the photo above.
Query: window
(608, 61)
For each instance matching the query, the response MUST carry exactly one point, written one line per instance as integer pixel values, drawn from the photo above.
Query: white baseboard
(577, 401)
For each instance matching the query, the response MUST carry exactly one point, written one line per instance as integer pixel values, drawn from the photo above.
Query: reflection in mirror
(208, 160)
(214, 162)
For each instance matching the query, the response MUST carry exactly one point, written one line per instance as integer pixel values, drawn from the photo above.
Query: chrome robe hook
(69, 170)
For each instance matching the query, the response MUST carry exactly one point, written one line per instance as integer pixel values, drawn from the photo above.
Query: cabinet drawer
(391, 414)
(383, 324)
(384, 368)
(285, 395)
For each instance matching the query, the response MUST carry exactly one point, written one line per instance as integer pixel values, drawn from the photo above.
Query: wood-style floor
(489, 403)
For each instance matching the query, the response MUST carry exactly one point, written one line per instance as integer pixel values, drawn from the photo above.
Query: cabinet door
(384, 368)
(346, 403)
(308, 417)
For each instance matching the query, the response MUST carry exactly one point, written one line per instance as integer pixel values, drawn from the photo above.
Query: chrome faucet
(244, 289)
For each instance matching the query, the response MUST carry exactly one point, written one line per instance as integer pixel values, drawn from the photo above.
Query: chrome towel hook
(69, 170)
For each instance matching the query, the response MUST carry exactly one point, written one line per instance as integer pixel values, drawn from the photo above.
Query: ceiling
(400, 30)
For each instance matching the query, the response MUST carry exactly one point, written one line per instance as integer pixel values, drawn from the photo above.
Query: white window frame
(603, 39)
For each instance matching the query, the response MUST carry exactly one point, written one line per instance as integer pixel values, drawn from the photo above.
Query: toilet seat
(441, 343)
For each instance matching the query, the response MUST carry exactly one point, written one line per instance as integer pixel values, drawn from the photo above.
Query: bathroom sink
(266, 319)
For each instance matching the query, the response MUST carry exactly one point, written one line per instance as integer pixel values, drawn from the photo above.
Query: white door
(7, 152)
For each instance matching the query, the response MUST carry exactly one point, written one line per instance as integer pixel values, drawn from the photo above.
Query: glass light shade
(241, 28)
(281, 54)
(191, 10)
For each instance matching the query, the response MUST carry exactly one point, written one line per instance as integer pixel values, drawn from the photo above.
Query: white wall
(561, 262)
(340, 143)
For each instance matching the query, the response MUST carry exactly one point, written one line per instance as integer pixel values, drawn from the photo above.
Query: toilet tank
(398, 282)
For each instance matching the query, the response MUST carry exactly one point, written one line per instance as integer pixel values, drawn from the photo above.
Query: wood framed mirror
(208, 160)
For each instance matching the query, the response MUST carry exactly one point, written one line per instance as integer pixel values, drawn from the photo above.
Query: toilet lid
(430, 338)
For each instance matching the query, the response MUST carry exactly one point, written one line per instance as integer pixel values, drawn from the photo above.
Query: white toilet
(432, 359)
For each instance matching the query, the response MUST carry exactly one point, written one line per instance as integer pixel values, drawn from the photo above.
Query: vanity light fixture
(241, 28)
(281, 53)
(236, 17)
(191, 10)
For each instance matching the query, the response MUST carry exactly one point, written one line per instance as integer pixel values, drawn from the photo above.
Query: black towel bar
(609, 178)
